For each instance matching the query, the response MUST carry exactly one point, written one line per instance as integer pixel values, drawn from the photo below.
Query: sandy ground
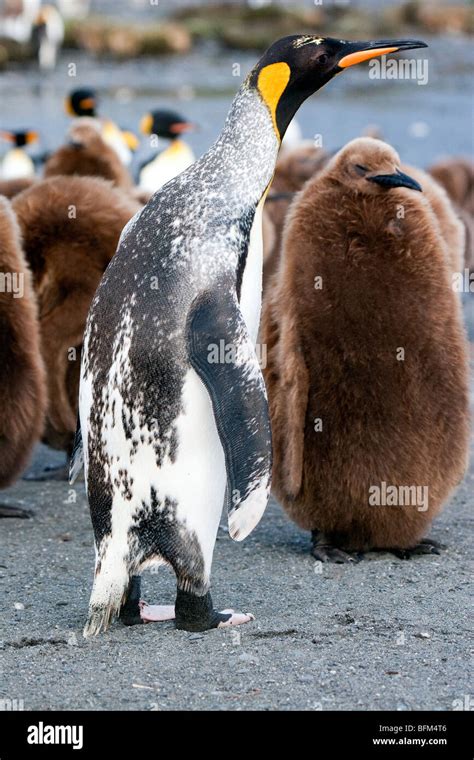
(384, 634)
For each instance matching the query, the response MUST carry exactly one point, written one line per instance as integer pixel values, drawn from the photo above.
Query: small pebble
(245, 657)
(72, 640)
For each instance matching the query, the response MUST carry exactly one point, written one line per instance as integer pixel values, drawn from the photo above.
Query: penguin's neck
(174, 147)
(245, 154)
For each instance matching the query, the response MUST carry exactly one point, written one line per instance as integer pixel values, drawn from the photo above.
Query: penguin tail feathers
(109, 591)
(97, 621)
(100, 617)
(77, 457)
(101, 614)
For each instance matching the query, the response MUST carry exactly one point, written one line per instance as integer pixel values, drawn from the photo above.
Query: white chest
(251, 291)
(16, 165)
(165, 167)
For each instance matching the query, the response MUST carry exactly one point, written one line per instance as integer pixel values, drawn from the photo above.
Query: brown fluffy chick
(86, 154)
(447, 217)
(456, 175)
(11, 187)
(22, 376)
(70, 228)
(367, 370)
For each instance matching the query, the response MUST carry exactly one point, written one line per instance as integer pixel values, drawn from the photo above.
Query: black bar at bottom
(376, 734)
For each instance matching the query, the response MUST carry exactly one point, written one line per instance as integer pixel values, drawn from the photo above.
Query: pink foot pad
(237, 618)
(156, 613)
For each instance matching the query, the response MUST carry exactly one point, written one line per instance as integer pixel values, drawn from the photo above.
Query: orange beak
(183, 126)
(364, 55)
(87, 103)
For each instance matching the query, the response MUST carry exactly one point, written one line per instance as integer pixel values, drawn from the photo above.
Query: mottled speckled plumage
(140, 395)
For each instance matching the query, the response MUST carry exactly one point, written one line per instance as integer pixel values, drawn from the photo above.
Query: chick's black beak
(399, 179)
(357, 52)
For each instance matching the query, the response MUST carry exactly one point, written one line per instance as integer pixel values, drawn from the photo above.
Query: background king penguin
(167, 435)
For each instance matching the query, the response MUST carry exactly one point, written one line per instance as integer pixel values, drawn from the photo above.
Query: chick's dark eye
(361, 169)
(322, 59)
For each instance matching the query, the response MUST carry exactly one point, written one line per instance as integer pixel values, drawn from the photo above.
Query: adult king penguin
(17, 164)
(170, 427)
(176, 157)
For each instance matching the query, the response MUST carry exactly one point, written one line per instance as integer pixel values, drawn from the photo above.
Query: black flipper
(237, 391)
(76, 462)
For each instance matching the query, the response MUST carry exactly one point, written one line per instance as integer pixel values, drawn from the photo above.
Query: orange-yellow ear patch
(272, 82)
(146, 124)
(131, 140)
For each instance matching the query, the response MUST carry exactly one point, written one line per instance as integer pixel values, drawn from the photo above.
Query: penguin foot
(49, 473)
(196, 613)
(155, 613)
(236, 618)
(426, 546)
(7, 510)
(323, 550)
(135, 611)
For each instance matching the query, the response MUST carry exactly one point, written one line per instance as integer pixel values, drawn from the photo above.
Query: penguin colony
(166, 435)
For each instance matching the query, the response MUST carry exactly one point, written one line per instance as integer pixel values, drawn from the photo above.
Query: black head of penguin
(295, 67)
(167, 124)
(19, 139)
(82, 102)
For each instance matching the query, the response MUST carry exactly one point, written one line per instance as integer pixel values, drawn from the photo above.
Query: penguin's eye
(361, 170)
(323, 58)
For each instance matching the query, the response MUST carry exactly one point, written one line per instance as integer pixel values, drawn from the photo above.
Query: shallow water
(124, 8)
(421, 121)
